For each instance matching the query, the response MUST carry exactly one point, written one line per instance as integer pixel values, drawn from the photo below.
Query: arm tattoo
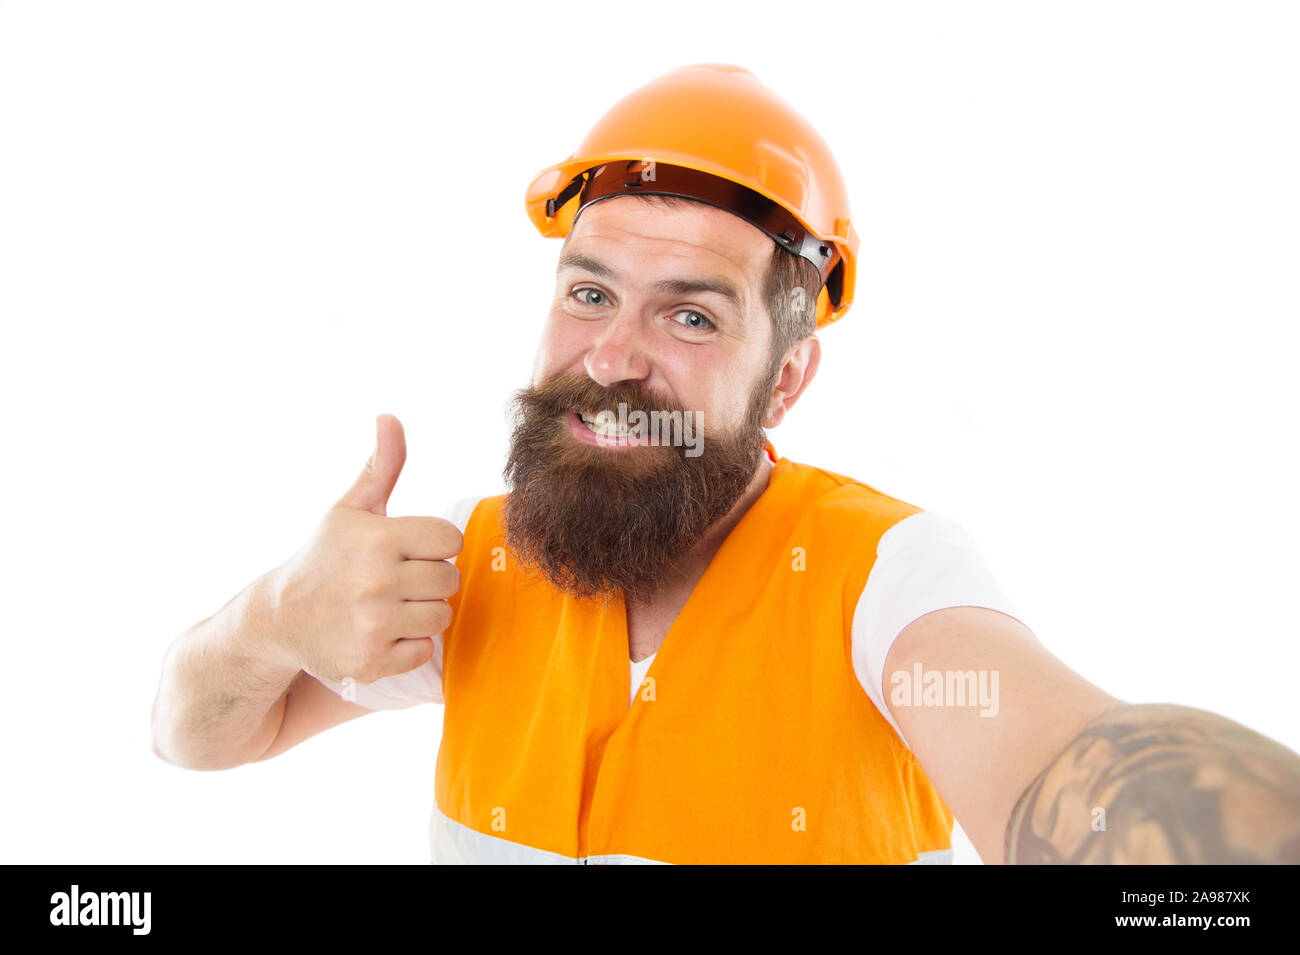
(1157, 783)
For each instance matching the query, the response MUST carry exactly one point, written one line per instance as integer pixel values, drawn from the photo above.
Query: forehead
(624, 231)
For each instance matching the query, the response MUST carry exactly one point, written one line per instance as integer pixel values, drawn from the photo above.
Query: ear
(796, 374)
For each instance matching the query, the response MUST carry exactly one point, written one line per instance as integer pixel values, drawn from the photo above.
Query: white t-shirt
(639, 668)
(925, 562)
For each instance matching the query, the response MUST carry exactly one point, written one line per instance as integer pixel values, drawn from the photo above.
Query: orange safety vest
(750, 740)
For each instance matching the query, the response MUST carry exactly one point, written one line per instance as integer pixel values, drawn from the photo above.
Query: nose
(619, 353)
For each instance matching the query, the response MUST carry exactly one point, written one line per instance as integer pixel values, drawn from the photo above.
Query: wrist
(262, 631)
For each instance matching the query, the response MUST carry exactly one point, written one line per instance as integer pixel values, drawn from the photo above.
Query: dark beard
(595, 521)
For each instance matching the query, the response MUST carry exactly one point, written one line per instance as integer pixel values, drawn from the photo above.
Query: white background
(233, 233)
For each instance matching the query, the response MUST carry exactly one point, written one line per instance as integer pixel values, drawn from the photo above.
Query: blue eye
(702, 323)
(583, 294)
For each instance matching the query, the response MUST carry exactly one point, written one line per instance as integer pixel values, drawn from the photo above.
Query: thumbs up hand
(374, 485)
(366, 595)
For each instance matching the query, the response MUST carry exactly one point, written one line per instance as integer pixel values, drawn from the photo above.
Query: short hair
(791, 290)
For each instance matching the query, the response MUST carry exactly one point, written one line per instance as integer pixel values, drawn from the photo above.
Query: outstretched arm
(1035, 776)
(1159, 783)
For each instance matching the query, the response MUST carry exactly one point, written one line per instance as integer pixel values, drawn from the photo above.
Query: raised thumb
(375, 483)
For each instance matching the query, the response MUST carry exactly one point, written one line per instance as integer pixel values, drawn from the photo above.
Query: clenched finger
(406, 655)
(427, 538)
(421, 618)
(427, 579)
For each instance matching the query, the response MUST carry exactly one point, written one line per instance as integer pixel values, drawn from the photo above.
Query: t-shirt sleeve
(927, 561)
(424, 683)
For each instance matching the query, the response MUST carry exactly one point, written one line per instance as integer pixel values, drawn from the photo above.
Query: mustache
(563, 393)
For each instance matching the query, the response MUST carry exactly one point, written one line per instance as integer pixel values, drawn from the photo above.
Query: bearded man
(667, 642)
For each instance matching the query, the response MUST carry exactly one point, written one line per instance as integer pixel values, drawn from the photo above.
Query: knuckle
(441, 613)
(361, 665)
(422, 654)
(371, 619)
(370, 586)
(444, 579)
(448, 536)
(425, 654)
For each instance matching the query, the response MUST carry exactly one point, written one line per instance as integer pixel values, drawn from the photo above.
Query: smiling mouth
(605, 430)
(605, 425)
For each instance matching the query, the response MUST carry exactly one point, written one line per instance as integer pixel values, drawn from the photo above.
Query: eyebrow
(689, 286)
(576, 260)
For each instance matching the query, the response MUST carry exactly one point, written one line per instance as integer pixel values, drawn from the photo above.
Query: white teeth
(605, 425)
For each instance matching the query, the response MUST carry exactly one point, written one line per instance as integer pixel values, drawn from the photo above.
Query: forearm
(1158, 783)
(221, 694)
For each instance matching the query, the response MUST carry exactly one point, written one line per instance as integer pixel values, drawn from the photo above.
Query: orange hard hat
(714, 133)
